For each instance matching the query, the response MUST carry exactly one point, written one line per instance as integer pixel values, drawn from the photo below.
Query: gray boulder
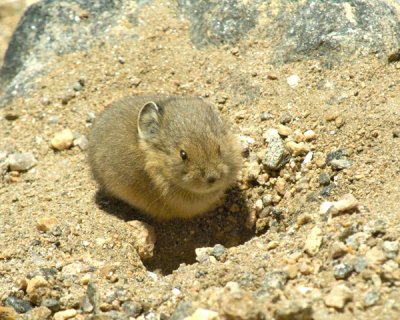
(329, 31)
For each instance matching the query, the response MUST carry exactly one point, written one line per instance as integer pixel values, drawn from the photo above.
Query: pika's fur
(167, 156)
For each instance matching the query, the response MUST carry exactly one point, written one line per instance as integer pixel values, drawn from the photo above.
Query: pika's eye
(183, 154)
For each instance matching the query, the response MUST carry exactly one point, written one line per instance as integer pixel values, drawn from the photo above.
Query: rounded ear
(149, 120)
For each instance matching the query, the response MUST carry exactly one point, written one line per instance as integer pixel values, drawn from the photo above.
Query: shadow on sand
(177, 239)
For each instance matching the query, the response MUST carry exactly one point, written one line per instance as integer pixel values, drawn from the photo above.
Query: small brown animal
(167, 156)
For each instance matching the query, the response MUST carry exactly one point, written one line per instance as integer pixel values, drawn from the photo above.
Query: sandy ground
(353, 107)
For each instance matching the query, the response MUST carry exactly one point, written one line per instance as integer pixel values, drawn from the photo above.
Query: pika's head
(187, 145)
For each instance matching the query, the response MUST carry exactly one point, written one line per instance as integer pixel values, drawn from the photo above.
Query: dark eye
(183, 154)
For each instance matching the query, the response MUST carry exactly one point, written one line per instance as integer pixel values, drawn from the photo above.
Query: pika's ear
(149, 120)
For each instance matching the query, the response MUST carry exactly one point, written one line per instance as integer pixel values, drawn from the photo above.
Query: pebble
(272, 76)
(135, 81)
(35, 283)
(66, 314)
(285, 118)
(11, 116)
(338, 250)
(52, 304)
(203, 314)
(296, 148)
(284, 130)
(340, 164)
(324, 179)
(309, 135)
(39, 313)
(253, 171)
(337, 154)
(77, 86)
(68, 96)
(313, 241)
(338, 296)
(371, 298)
(132, 309)
(275, 280)
(258, 206)
(53, 120)
(21, 306)
(275, 153)
(265, 116)
(238, 304)
(202, 254)
(391, 249)
(293, 81)
(396, 133)
(339, 122)
(375, 257)
(21, 161)
(218, 250)
(7, 313)
(45, 224)
(62, 140)
(144, 238)
(307, 158)
(346, 203)
(299, 309)
(360, 264)
(343, 271)
(280, 186)
(82, 142)
(267, 200)
(90, 117)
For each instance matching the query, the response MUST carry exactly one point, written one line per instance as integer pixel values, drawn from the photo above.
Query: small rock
(324, 179)
(379, 228)
(218, 250)
(299, 309)
(35, 283)
(21, 161)
(121, 60)
(45, 224)
(132, 309)
(52, 304)
(396, 133)
(338, 250)
(307, 158)
(82, 142)
(238, 304)
(7, 313)
(343, 271)
(202, 254)
(53, 120)
(62, 140)
(86, 305)
(340, 164)
(375, 257)
(338, 296)
(285, 118)
(203, 314)
(310, 135)
(272, 245)
(272, 76)
(66, 314)
(280, 186)
(90, 117)
(275, 280)
(391, 249)
(253, 171)
(360, 264)
(144, 238)
(284, 131)
(11, 116)
(275, 153)
(68, 96)
(313, 241)
(135, 81)
(346, 204)
(293, 80)
(183, 309)
(337, 154)
(296, 148)
(265, 116)
(339, 122)
(77, 86)
(21, 306)
(267, 200)
(371, 298)
(39, 313)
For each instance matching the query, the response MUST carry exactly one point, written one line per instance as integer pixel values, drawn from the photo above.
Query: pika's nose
(211, 179)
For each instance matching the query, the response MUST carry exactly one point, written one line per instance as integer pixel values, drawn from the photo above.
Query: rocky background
(311, 229)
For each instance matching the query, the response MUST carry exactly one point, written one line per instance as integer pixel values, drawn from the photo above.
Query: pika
(168, 156)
